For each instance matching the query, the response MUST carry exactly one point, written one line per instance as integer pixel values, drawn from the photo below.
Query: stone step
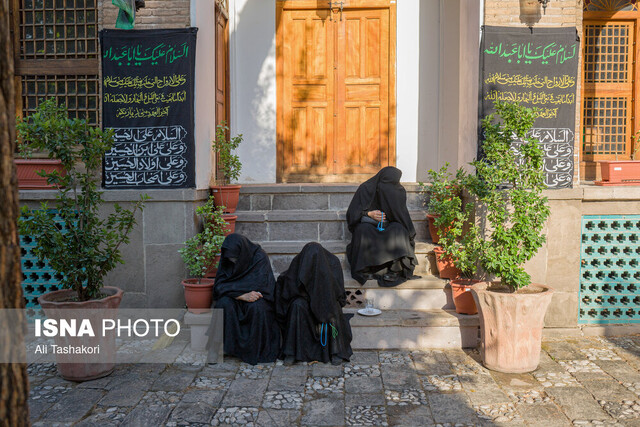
(414, 329)
(393, 329)
(264, 197)
(308, 225)
(282, 252)
(418, 294)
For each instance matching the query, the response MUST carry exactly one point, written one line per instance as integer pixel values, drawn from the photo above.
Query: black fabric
(373, 253)
(244, 267)
(251, 332)
(309, 299)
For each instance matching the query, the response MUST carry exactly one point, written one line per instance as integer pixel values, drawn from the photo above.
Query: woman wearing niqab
(244, 289)
(309, 300)
(381, 248)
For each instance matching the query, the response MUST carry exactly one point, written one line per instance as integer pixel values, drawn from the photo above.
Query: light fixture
(544, 5)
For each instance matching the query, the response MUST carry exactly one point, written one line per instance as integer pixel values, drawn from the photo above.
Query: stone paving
(581, 382)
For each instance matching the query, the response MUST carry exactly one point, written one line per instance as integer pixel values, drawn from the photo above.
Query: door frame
(282, 5)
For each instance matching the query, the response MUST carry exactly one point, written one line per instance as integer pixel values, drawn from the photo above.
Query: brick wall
(559, 13)
(156, 14)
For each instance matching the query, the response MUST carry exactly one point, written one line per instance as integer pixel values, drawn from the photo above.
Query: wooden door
(335, 73)
(222, 70)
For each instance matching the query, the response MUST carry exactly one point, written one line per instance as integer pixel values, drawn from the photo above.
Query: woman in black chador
(309, 300)
(382, 241)
(244, 288)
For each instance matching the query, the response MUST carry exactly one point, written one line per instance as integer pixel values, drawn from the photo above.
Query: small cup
(369, 304)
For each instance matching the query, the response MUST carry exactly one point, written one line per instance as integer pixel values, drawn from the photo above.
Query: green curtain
(126, 15)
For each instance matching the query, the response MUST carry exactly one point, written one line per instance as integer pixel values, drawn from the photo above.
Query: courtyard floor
(586, 381)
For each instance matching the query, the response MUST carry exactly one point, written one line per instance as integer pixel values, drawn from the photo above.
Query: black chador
(309, 300)
(382, 247)
(244, 288)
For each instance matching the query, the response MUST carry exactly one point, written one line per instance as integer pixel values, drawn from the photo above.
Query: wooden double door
(336, 89)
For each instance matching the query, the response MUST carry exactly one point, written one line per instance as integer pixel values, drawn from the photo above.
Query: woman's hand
(376, 215)
(250, 296)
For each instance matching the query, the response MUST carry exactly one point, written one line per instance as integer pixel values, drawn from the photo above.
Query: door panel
(333, 92)
(362, 105)
(308, 92)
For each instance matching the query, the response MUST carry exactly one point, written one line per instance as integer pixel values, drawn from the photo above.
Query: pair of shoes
(289, 360)
(390, 277)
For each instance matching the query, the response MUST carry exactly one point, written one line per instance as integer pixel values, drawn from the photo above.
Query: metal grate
(605, 125)
(37, 277)
(58, 29)
(78, 93)
(606, 52)
(610, 269)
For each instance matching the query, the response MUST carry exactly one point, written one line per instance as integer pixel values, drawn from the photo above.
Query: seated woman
(382, 233)
(244, 289)
(309, 300)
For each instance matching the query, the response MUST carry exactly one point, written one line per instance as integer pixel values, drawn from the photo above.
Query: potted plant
(229, 167)
(87, 246)
(508, 185)
(459, 246)
(32, 172)
(201, 254)
(443, 195)
(622, 172)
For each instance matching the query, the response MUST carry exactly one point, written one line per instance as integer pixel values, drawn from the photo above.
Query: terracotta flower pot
(230, 227)
(27, 172)
(433, 231)
(462, 297)
(55, 305)
(213, 268)
(227, 196)
(619, 172)
(446, 267)
(511, 325)
(198, 295)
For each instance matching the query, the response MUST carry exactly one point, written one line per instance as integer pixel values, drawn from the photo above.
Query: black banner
(147, 90)
(537, 68)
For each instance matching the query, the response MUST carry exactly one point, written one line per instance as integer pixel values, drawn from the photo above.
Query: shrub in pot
(32, 172)
(199, 255)
(443, 195)
(229, 165)
(457, 254)
(508, 186)
(88, 246)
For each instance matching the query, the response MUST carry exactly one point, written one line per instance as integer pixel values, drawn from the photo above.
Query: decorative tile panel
(37, 276)
(610, 269)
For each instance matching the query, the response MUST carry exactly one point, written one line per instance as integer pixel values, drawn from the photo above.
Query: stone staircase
(282, 218)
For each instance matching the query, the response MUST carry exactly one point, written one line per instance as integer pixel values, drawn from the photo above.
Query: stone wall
(153, 269)
(557, 264)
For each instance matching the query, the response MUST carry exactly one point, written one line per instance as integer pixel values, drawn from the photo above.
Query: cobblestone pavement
(582, 382)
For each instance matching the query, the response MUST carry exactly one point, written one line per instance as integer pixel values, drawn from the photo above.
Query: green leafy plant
(228, 162)
(635, 152)
(458, 234)
(508, 185)
(88, 246)
(200, 251)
